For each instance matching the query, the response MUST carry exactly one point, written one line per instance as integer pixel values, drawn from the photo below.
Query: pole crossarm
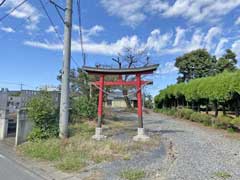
(120, 83)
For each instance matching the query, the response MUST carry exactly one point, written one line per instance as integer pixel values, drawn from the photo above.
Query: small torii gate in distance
(102, 72)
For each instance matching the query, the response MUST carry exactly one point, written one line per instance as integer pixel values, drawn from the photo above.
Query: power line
(10, 12)
(2, 2)
(80, 31)
(55, 29)
(51, 21)
(57, 7)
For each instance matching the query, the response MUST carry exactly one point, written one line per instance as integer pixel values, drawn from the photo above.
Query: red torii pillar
(100, 101)
(139, 100)
(138, 83)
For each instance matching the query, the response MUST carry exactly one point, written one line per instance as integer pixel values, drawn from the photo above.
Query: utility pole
(64, 104)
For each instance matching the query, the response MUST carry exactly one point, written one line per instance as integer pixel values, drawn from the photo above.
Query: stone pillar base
(98, 135)
(141, 136)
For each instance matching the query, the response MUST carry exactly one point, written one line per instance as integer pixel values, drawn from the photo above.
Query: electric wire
(12, 10)
(3, 1)
(51, 21)
(80, 31)
(55, 29)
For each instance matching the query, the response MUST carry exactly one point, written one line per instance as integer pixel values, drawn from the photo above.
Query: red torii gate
(102, 72)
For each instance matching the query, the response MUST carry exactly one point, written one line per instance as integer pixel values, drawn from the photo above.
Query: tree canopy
(199, 63)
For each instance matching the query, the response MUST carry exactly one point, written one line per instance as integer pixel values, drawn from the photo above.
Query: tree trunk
(126, 99)
(198, 107)
(175, 103)
(237, 107)
(215, 108)
(224, 109)
(207, 108)
(192, 105)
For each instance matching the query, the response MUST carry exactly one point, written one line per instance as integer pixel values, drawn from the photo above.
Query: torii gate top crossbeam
(123, 71)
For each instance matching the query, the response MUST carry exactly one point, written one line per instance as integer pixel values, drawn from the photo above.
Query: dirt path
(187, 152)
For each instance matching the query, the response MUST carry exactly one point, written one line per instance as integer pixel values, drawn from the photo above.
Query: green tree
(43, 112)
(148, 101)
(196, 64)
(227, 62)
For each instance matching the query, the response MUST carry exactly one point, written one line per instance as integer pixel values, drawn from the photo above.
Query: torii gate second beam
(138, 83)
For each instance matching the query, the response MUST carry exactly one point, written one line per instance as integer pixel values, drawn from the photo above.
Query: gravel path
(201, 153)
(187, 152)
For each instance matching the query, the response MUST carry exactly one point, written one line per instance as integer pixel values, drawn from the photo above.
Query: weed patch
(132, 174)
(223, 175)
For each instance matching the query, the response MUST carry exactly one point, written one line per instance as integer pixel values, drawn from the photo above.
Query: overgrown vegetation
(223, 122)
(83, 107)
(80, 150)
(43, 112)
(132, 174)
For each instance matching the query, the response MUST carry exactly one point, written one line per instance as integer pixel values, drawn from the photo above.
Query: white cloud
(167, 68)
(205, 10)
(128, 10)
(103, 48)
(156, 41)
(95, 30)
(220, 47)
(236, 47)
(51, 29)
(133, 12)
(180, 34)
(8, 29)
(88, 33)
(212, 32)
(237, 22)
(26, 12)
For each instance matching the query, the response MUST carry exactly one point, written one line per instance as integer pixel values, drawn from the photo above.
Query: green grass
(80, 150)
(44, 150)
(72, 162)
(223, 175)
(132, 174)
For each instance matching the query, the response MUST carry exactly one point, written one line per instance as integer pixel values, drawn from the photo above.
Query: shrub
(224, 122)
(236, 122)
(132, 174)
(201, 118)
(83, 107)
(43, 113)
(185, 113)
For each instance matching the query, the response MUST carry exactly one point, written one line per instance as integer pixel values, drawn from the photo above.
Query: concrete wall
(3, 124)
(24, 127)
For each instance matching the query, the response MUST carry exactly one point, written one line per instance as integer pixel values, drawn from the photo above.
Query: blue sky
(32, 54)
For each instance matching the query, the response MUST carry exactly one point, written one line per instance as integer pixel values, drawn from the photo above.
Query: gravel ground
(187, 152)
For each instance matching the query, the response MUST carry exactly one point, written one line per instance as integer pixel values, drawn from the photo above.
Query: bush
(185, 113)
(236, 122)
(83, 107)
(43, 113)
(201, 118)
(224, 122)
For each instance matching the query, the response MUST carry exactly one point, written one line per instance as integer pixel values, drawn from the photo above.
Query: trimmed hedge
(222, 122)
(222, 90)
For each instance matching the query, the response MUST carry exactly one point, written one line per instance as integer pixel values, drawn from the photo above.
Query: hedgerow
(214, 92)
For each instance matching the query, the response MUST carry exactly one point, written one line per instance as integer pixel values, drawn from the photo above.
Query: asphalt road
(10, 169)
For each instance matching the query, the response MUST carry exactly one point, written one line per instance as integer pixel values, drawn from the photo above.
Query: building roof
(113, 71)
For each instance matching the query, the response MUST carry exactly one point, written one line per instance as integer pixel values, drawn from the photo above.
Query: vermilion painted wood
(119, 83)
(139, 98)
(138, 83)
(123, 71)
(100, 100)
